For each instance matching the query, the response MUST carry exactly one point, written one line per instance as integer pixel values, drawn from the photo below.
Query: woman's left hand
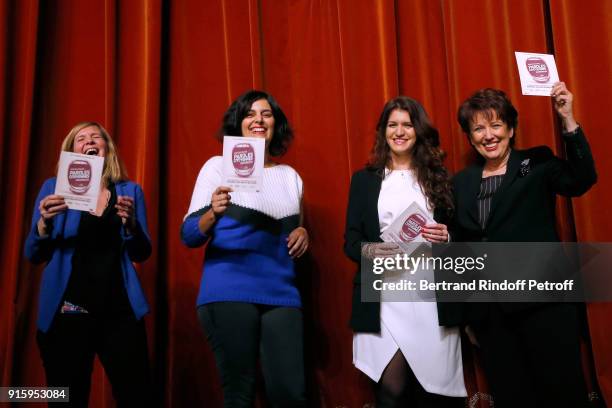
(563, 101)
(297, 242)
(125, 210)
(435, 233)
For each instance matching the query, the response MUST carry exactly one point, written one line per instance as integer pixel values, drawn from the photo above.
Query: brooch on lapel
(524, 169)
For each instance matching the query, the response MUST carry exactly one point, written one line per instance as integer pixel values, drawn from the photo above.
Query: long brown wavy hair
(427, 156)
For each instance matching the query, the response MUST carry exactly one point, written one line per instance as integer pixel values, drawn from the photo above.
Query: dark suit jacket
(523, 208)
(362, 225)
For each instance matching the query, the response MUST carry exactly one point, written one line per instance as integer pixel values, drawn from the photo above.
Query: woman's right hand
(220, 200)
(49, 207)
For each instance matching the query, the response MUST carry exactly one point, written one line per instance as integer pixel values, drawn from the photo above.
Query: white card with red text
(408, 227)
(243, 163)
(78, 180)
(538, 73)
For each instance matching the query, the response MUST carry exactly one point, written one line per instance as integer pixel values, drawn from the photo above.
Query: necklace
(106, 198)
(404, 173)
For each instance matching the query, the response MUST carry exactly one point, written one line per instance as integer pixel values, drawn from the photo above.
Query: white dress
(433, 352)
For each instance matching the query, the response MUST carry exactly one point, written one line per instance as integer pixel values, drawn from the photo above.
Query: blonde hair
(114, 170)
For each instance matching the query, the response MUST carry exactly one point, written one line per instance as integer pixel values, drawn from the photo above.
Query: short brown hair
(238, 110)
(487, 101)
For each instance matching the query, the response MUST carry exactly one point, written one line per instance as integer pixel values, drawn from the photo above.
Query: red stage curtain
(583, 36)
(159, 74)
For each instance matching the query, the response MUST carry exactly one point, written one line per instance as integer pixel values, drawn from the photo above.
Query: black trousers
(241, 332)
(69, 347)
(532, 358)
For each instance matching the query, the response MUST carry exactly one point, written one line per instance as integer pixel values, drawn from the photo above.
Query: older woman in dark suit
(530, 352)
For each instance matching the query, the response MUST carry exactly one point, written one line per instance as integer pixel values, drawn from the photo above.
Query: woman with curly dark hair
(248, 303)
(400, 345)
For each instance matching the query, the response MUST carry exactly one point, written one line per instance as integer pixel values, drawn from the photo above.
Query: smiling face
(259, 121)
(90, 140)
(490, 137)
(400, 134)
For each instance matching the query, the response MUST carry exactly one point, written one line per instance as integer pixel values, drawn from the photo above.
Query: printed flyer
(538, 73)
(78, 180)
(243, 163)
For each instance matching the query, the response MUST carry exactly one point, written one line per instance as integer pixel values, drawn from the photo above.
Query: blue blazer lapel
(71, 223)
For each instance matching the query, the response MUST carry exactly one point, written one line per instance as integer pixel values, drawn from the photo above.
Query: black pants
(240, 332)
(532, 358)
(69, 347)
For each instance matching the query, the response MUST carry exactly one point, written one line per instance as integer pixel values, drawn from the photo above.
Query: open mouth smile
(258, 130)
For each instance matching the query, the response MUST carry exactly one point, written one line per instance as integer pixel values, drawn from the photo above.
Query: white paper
(78, 180)
(243, 163)
(538, 73)
(407, 228)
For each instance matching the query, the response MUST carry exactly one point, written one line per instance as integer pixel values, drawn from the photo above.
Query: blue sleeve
(39, 249)
(190, 230)
(138, 243)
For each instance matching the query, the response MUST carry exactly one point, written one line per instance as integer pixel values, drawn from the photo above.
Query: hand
(563, 101)
(49, 207)
(125, 210)
(297, 242)
(220, 200)
(381, 250)
(435, 233)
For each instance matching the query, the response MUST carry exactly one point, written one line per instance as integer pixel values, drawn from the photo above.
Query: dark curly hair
(488, 101)
(427, 157)
(238, 110)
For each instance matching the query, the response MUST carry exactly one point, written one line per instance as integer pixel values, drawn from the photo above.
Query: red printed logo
(79, 176)
(412, 227)
(243, 159)
(538, 69)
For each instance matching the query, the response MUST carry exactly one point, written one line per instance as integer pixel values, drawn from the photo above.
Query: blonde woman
(91, 302)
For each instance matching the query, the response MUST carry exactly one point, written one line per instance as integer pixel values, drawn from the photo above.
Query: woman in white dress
(400, 345)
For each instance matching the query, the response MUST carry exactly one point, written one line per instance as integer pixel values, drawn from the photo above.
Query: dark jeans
(69, 347)
(532, 358)
(240, 332)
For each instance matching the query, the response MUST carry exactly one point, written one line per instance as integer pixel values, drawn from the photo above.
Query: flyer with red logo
(408, 227)
(243, 163)
(78, 180)
(538, 73)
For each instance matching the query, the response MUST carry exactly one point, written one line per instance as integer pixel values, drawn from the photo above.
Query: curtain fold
(582, 38)
(18, 62)
(159, 74)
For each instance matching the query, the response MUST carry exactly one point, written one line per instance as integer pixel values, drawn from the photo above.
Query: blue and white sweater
(247, 259)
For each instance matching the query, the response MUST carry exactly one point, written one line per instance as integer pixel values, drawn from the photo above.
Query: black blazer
(523, 208)
(362, 225)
